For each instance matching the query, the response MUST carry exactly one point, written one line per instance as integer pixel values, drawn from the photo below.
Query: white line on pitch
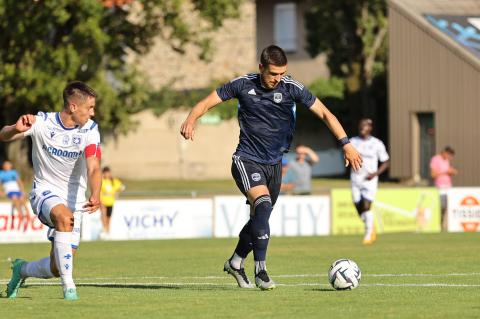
(184, 284)
(277, 276)
(6, 280)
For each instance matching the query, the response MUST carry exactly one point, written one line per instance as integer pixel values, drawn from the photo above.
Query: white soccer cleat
(238, 274)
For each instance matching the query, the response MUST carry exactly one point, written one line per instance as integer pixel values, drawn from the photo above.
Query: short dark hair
(106, 169)
(273, 55)
(77, 89)
(366, 120)
(449, 150)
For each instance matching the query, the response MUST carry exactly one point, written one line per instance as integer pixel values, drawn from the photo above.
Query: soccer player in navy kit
(266, 114)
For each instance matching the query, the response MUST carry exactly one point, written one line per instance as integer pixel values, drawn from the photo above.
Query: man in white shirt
(66, 154)
(365, 180)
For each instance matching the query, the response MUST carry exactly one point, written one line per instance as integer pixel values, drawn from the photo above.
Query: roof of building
(436, 17)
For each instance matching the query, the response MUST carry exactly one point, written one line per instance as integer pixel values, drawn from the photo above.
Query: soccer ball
(344, 274)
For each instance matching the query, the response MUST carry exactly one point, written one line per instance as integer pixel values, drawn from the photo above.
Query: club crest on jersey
(277, 97)
(66, 140)
(77, 140)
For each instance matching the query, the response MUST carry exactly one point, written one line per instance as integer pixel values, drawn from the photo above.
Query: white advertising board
(154, 219)
(291, 216)
(14, 229)
(463, 209)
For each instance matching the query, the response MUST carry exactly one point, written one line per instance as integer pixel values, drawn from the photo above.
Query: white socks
(260, 265)
(37, 269)
(62, 248)
(367, 218)
(237, 262)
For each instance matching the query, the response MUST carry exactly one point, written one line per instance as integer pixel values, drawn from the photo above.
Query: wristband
(343, 141)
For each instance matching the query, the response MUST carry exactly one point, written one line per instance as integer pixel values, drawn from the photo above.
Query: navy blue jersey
(266, 116)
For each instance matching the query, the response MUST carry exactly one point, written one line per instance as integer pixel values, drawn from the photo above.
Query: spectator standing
(302, 169)
(111, 187)
(441, 171)
(13, 188)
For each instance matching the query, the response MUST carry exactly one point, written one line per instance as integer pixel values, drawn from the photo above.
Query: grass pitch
(403, 276)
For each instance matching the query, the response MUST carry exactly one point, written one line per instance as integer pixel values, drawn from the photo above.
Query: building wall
(234, 54)
(300, 65)
(156, 149)
(428, 75)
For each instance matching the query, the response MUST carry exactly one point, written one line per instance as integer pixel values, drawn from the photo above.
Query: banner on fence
(154, 219)
(463, 209)
(291, 216)
(17, 229)
(395, 210)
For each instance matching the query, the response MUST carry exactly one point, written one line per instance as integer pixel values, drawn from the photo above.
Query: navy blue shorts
(248, 174)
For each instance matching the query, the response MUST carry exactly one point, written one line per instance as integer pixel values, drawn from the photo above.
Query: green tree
(46, 43)
(353, 35)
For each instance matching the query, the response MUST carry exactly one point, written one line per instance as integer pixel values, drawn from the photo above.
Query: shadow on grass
(323, 289)
(158, 286)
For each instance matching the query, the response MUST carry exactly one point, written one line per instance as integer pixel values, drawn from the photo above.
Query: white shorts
(42, 202)
(364, 191)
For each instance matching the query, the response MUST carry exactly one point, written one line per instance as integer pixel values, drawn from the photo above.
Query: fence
(395, 210)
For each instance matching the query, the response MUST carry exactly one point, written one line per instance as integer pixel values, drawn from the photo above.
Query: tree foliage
(353, 35)
(46, 43)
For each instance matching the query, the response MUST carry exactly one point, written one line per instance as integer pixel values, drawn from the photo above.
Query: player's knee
(366, 205)
(64, 221)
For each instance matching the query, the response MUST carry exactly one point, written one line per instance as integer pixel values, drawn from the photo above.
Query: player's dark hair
(449, 150)
(77, 89)
(366, 120)
(106, 169)
(273, 55)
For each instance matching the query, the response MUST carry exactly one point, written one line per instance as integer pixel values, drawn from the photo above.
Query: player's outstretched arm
(188, 127)
(95, 183)
(352, 157)
(15, 132)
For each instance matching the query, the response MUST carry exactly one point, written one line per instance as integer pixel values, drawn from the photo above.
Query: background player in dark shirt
(266, 115)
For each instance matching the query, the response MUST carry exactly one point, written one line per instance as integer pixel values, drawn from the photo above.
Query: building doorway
(424, 144)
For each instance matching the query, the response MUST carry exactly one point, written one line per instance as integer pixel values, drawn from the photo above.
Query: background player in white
(65, 152)
(365, 180)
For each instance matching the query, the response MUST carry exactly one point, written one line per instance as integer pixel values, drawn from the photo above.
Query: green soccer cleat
(14, 284)
(70, 294)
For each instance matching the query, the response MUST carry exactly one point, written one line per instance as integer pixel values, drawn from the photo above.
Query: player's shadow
(322, 289)
(158, 286)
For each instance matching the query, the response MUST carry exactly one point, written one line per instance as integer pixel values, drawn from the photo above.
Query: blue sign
(462, 29)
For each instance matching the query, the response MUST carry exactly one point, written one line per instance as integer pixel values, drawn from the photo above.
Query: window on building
(285, 26)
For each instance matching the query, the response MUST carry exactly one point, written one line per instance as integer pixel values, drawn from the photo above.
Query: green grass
(196, 188)
(183, 278)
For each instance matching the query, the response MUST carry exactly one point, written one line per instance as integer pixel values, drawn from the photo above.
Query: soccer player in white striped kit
(66, 155)
(365, 180)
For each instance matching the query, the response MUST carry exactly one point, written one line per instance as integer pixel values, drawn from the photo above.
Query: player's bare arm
(352, 157)
(15, 132)
(381, 169)
(188, 127)
(95, 183)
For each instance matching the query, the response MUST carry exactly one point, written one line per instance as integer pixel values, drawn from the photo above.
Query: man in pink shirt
(442, 171)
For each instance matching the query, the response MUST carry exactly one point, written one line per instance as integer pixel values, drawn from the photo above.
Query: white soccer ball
(344, 274)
